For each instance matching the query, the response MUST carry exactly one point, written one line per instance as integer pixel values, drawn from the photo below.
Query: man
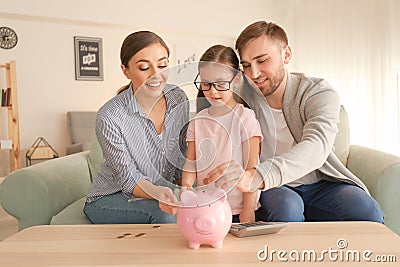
(301, 178)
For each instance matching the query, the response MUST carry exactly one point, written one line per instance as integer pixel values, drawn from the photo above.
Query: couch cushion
(72, 214)
(342, 141)
(95, 157)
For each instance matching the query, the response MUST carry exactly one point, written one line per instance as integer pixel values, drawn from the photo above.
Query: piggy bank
(204, 217)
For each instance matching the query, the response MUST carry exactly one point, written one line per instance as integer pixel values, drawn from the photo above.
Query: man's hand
(231, 174)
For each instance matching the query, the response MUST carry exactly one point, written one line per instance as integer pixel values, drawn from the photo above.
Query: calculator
(256, 228)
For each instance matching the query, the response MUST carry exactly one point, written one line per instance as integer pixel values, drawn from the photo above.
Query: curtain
(354, 45)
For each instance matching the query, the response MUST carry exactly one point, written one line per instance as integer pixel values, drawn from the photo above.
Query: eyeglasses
(206, 86)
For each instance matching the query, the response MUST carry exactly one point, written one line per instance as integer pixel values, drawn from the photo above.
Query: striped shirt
(132, 148)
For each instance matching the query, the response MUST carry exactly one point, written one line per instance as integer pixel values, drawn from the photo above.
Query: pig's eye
(209, 205)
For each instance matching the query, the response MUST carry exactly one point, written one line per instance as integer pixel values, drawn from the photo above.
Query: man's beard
(275, 82)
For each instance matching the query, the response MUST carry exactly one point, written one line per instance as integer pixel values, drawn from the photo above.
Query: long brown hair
(135, 42)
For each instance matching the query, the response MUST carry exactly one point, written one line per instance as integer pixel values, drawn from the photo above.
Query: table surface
(314, 243)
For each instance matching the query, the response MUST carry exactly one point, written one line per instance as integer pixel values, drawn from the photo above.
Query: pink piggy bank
(204, 217)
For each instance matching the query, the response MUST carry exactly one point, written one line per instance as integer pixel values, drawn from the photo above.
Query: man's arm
(312, 118)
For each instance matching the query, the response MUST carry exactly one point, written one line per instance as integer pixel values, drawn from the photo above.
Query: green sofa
(53, 192)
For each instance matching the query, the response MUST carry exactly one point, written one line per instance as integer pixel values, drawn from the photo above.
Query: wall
(355, 46)
(45, 50)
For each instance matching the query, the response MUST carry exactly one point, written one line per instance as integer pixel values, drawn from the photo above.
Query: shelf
(13, 117)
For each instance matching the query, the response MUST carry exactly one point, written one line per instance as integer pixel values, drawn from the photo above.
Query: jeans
(258, 214)
(321, 201)
(115, 208)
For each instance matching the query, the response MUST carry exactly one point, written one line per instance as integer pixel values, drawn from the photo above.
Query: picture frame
(88, 58)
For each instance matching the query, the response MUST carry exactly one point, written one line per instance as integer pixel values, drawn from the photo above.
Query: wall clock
(8, 38)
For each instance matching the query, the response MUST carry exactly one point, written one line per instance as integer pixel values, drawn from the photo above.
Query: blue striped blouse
(132, 148)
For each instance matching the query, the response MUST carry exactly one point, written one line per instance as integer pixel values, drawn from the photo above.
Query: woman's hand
(167, 200)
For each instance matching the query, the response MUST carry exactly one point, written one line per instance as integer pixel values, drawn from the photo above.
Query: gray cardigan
(311, 109)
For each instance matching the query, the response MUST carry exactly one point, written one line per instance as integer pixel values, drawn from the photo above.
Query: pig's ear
(219, 194)
(188, 197)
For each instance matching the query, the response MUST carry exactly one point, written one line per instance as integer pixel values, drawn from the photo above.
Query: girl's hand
(184, 188)
(247, 216)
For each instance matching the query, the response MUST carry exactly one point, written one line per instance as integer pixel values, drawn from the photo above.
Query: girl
(223, 131)
(139, 131)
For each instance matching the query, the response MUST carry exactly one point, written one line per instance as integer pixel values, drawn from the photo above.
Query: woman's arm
(251, 151)
(189, 170)
(116, 155)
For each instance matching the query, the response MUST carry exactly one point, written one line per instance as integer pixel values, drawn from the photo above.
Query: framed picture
(88, 58)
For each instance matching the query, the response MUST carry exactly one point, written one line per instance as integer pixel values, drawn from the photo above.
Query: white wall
(45, 51)
(355, 46)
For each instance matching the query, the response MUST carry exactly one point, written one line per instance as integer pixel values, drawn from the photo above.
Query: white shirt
(284, 141)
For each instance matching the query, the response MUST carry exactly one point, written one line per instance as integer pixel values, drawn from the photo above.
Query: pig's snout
(204, 224)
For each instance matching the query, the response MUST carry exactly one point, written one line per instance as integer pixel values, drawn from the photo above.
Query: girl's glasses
(206, 86)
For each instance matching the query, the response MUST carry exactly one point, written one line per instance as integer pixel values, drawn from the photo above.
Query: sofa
(80, 125)
(53, 192)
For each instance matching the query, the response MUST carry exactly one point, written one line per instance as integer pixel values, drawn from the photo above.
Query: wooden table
(126, 245)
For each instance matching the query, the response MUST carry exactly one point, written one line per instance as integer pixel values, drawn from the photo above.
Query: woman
(141, 132)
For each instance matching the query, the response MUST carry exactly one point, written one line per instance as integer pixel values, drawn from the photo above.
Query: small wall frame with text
(88, 58)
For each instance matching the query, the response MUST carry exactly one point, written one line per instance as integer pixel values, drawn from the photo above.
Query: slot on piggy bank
(204, 216)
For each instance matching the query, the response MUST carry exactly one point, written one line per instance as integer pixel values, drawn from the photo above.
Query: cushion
(72, 214)
(342, 141)
(95, 158)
